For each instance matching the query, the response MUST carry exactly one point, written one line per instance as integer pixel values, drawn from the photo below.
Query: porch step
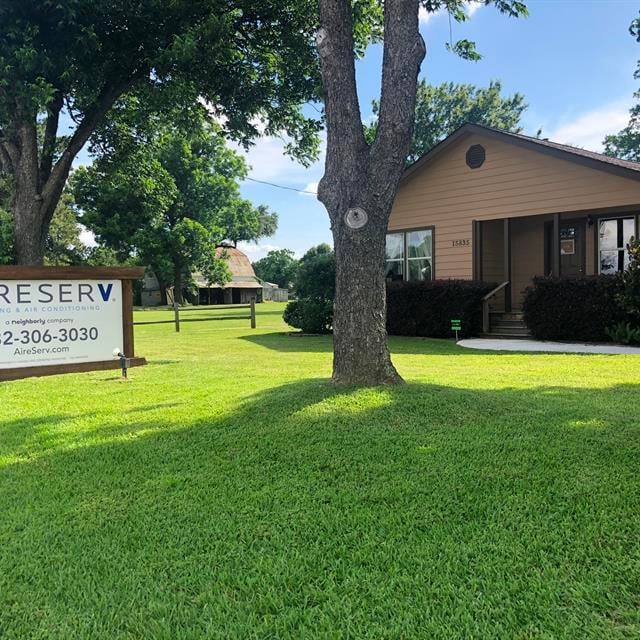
(507, 325)
(507, 315)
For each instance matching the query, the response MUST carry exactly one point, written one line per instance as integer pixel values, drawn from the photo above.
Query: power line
(281, 186)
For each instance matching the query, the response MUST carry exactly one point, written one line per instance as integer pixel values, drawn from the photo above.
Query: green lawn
(228, 491)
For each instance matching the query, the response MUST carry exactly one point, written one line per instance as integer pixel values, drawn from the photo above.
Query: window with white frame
(613, 237)
(409, 255)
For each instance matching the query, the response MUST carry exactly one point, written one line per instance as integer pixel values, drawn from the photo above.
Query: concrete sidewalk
(546, 347)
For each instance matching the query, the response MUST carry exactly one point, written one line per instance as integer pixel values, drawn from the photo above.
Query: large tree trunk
(360, 181)
(38, 182)
(30, 235)
(361, 354)
(32, 213)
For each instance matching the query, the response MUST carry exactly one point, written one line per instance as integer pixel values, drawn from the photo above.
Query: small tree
(279, 266)
(626, 143)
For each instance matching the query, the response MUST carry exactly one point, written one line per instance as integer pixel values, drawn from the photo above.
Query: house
(243, 286)
(502, 207)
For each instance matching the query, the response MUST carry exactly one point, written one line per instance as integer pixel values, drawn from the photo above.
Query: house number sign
(461, 243)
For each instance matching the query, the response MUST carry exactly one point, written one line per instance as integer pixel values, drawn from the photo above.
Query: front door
(572, 249)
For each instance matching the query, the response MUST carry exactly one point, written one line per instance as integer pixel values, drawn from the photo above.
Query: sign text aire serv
(56, 322)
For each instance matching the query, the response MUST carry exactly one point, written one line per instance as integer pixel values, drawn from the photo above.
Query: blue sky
(572, 59)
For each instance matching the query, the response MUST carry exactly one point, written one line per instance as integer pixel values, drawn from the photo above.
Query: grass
(228, 491)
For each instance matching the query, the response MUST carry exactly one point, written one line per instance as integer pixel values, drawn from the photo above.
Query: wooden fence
(181, 315)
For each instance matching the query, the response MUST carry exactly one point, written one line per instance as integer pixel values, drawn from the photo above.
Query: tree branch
(404, 50)
(346, 145)
(50, 136)
(8, 156)
(54, 185)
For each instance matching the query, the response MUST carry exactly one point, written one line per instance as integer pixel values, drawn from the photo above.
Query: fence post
(253, 313)
(176, 313)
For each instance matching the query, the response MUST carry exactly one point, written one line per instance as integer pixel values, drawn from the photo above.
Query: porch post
(507, 263)
(555, 247)
(636, 234)
(476, 246)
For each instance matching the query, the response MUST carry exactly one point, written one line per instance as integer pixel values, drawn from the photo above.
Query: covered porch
(512, 251)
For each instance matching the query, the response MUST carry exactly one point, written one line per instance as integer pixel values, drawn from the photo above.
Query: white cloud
(87, 237)
(255, 251)
(268, 161)
(470, 8)
(424, 16)
(251, 248)
(311, 189)
(588, 129)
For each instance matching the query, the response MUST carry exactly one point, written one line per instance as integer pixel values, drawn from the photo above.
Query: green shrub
(427, 308)
(573, 308)
(624, 333)
(310, 315)
(316, 277)
(629, 297)
(312, 311)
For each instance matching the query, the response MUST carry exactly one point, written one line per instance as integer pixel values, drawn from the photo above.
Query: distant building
(239, 290)
(274, 293)
(151, 295)
(243, 285)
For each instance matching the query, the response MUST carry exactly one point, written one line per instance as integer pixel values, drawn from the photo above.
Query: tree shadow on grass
(311, 509)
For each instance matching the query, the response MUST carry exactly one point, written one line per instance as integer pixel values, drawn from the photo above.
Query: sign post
(456, 325)
(65, 319)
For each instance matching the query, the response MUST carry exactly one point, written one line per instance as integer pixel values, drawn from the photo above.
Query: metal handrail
(486, 325)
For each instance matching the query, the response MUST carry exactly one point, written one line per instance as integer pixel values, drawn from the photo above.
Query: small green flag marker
(456, 325)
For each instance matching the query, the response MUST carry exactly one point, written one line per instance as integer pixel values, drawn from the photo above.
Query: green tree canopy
(168, 201)
(63, 244)
(317, 273)
(626, 143)
(254, 63)
(442, 109)
(279, 266)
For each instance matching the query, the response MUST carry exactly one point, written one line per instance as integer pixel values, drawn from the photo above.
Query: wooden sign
(65, 319)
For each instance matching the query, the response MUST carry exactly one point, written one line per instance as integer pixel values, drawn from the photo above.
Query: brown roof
(595, 160)
(242, 273)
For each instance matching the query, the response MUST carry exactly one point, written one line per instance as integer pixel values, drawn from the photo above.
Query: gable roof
(625, 168)
(242, 273)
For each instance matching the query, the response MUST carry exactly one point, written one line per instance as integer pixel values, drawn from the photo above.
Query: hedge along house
(501, 207)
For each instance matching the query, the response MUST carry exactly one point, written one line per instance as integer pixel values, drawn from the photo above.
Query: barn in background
(243, 285)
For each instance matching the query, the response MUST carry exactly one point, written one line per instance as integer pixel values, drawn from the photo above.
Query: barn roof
(242, 273)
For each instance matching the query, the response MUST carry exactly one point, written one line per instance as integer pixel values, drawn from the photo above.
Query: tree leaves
(171, 200)
(441, 109)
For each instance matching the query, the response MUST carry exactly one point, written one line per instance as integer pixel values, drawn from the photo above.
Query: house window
(613, 237)
(409, 255)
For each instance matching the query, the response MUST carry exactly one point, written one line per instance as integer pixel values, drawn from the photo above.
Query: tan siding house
(503, 207)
